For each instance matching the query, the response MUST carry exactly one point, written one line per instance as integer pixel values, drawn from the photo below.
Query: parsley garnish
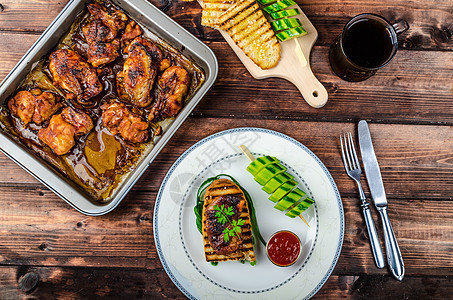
(222, 214)
(198, 208)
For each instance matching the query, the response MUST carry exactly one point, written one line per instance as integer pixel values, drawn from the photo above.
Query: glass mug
(368, 43)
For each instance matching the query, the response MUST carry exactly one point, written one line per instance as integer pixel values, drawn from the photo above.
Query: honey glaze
(99, 162)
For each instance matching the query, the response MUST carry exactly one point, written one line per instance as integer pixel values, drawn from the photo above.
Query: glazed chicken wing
(46, 106)
(33, 106)
(101, 53)
(96, 31)
(132, 31)
(135, 81)
(59, 135)
(23, 106)
(120, 120)
(102, 45)
(71, 72)
(110, 16)
(153, 50)
(174, 85)
(81, 121)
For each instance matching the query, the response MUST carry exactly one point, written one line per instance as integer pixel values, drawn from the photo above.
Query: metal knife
(373, 176)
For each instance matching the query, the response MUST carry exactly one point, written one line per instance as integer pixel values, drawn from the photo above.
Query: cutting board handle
(309, 86)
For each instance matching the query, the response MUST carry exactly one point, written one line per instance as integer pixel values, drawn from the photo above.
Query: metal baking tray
(149, 17)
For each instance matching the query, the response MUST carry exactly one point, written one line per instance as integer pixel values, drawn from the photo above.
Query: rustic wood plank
(430, 26)
(418, 226)
(416, 161)
(16, 14)
(13, 47)
(430, 21)
(40, 229)
(414, 88)
(77, 283)
(410, 107)
(54, 234)
(385, 287)
(85, 283)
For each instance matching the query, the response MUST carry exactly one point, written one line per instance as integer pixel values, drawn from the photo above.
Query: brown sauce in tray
(99, 161)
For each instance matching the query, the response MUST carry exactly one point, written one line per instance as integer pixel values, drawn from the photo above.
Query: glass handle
(400, 26)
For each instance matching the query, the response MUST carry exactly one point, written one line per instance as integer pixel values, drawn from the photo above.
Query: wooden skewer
(251, 158)
(247, 152)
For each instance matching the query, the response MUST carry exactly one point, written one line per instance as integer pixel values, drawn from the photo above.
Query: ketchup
(283, 248)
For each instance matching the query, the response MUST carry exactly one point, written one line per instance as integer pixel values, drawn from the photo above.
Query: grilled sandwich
(212, 10)
(245, 23)
(239, 246)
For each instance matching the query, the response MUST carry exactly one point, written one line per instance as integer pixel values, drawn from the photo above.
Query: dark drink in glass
(368, 42)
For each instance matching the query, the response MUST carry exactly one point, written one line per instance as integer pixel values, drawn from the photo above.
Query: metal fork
(352, 166)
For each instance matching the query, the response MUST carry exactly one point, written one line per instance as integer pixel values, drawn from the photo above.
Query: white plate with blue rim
(180, 244)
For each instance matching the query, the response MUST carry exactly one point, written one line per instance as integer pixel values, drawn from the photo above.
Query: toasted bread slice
(212, 10)
(216, 192)
(245, 23)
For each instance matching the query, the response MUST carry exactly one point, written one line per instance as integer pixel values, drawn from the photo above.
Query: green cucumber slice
(259, 163)
(285, 24)
(283, 190)
(266, 2)
(268, 172)
(299, 208)
(291, 33)
(291, 214)
(285, 13)
(289, 199)
(276, 182)
(279, 6)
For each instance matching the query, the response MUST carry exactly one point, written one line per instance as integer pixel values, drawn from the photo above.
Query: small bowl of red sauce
(283, 248)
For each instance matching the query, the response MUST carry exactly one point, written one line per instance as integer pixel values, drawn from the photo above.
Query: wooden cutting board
(294, 64)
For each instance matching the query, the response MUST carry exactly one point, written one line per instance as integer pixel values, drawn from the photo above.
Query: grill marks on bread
(224, 191)
(245, 23)
(212, 10)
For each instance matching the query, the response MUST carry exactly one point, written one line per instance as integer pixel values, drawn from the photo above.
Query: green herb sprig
(222, 214)
(198, 209)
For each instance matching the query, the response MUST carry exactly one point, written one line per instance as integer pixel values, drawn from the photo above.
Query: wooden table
(49, 250)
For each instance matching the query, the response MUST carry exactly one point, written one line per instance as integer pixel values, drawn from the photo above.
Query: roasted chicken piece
(153, 50)
(46, 105)
(218, 247)
(135, 81)
(102, 45)
(96, 31)
(23, 105)
(81, 121)
(59, 135)
(215, 231)
(164, 64)
(101, 53)
(36, 106)
(174, 85)
(132, 31)
(72, 73)
(118, 119)
(113, 18)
